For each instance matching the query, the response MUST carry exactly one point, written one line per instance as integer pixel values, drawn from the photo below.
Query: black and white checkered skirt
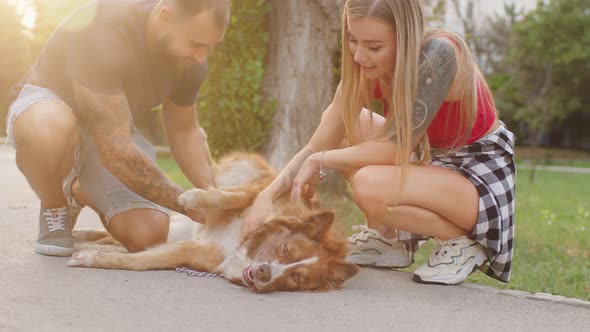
(488, 164)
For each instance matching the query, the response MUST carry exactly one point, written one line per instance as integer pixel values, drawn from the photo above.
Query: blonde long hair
(405, 17)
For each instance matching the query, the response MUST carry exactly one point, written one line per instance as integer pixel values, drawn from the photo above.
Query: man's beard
(164, 54)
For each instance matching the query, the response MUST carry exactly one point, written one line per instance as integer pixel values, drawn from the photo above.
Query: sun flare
(26, 9)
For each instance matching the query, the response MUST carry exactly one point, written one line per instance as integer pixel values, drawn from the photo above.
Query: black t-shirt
(102, 45)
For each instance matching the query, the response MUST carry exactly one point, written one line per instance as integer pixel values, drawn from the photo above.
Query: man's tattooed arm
(284, 181)
(107, 118)
(437, 69)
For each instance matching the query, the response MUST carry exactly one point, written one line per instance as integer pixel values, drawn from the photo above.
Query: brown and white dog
(295, 250)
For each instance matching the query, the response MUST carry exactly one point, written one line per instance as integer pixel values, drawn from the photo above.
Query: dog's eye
(296, 278)
(285, 249)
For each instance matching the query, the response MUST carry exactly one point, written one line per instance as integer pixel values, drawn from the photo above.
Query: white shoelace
(364, 233)
(443, 250)
(55, 219)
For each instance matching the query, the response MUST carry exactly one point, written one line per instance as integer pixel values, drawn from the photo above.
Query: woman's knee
(365, 188)
(140, 229)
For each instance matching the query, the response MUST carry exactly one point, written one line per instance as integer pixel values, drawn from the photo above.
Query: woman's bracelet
(322, 173)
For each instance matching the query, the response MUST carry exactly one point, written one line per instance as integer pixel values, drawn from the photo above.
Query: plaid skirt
(488, 164)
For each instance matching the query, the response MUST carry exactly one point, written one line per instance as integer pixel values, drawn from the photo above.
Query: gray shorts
(105, 191)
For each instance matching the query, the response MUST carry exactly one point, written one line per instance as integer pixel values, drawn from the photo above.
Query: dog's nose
(262, 273)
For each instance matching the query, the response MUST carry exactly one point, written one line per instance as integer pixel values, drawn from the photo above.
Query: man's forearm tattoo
(437, 69)
(143, 177)
(108, 119)
(287, 176)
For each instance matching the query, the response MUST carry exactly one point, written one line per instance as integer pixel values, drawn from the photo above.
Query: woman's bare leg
(434, 201)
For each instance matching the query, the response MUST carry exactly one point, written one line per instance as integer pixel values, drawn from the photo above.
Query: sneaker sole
(49, 250)
(388, 261)
(455, 279)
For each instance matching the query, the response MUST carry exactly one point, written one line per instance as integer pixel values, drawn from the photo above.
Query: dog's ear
(318, 224)
(340, 271)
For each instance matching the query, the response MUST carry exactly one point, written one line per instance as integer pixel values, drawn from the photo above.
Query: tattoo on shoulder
(437, 69)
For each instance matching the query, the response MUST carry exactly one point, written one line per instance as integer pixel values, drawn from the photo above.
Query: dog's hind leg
(201, 257)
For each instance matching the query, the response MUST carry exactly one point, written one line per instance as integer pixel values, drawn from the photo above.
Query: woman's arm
(438, 67)
(329, 135)
(437, 71)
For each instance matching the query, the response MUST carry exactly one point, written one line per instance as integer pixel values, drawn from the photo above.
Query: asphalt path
(39, 293)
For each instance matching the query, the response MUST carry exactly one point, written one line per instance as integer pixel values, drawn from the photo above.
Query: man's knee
(140, 229)
(46, 125)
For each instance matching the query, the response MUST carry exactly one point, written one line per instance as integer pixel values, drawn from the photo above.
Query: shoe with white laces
(55, 232)
(452, 262)
(370, 248)
(73, 205)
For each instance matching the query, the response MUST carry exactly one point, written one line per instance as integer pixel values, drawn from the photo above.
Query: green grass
(552, 235)
(168, 165)
(585, 163)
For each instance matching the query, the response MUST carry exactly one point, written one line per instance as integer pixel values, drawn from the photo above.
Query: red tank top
(441, 137)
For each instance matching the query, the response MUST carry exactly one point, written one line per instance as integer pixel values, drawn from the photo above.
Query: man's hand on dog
(187, 201)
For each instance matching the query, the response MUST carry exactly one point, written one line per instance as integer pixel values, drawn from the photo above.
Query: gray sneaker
(73, 205)
(370, 248)
(55, 232)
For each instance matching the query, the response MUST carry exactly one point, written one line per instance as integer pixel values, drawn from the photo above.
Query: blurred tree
(230, 104)
(468, 19)
(547, 71)
(435, 12)
(299, 70)
(496, 41)
(14, 54)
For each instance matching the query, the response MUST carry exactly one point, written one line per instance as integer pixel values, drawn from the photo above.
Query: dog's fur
(295, 250)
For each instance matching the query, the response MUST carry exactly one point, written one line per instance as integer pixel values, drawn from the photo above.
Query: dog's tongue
(247, 276)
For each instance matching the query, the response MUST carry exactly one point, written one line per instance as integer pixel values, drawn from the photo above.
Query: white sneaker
(452, 262)
(370, 248)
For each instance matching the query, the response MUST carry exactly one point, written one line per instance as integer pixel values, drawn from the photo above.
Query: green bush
(231, 108)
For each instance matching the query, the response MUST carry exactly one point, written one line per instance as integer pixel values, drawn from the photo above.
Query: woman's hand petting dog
(307, 179)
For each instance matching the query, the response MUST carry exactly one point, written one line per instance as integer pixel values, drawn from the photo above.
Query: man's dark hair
(192, 7)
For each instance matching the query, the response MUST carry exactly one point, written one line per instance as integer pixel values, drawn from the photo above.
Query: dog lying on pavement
(295, 250)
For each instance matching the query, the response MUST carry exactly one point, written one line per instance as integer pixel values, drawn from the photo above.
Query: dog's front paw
(84, 258)
(193, 199)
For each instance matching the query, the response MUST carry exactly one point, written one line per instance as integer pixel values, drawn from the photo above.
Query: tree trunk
(299, 71)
